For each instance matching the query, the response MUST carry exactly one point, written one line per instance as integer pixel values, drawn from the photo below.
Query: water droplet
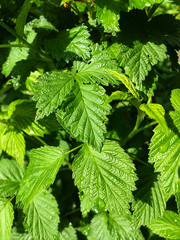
(175, 220)
(164, 148)
(31, 132)
(101, 203)
(95, 210)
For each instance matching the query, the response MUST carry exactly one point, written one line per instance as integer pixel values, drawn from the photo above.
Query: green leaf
(126, 81)
(143, 3)
(51, 90)
(20, 236)
(156, 112)
(68, 233)
(42, 217)
(149, 200)
(106, 178)
(10, 177)
(167, 226)
(94, 72)
(12, 142)
(18, 54)
(41, 172)
(6, 218)
(139, 59)
(23, 113)
(83, 115)
(108, 14)
(70, 44)
(42, 22)
(112, 226)
(175, 99)
(177, 198)
(165, 154)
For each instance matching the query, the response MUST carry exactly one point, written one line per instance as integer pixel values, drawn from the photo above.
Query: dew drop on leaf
(164, 147)
(101, 203)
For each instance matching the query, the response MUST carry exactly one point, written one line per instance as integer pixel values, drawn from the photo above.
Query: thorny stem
(42, 54)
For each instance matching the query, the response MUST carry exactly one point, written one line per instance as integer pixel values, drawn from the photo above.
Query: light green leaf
(143, 3)
(42, 22)
(23, 113)
(41, 172)
(126, 81)
(83, 115)
(177, 198)
(175, 99)
(165, 154)
(156, 112)
(10, 177)
(20, 236)
(18, 53)
(149, 200)
(12, 142)
(42, 217)
(139, 59)
(108, 13)
(167, 226)
(68, 233)
(105, 178)
(6, 218)
(70, 44)
(51, 90)
(111, 226)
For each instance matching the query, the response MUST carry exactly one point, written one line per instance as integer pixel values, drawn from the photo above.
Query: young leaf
(156, 112)
(107, 178)
(175, 99)
(139, 59)
(112, 226)
(10, 177)
(41, 172)
(42, 22)
(167, 226)
(70, 44)
(107, 13)
(141, 4)
(42, 217)
(51, 90)
(68, 233)
(83, 115)
(149, 200)
(126, 81)
(12, 142)
(165, 154)
(6, 218)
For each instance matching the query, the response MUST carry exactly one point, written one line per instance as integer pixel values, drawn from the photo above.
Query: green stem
(12, 45)
(65, 169)
(140, 161)
(42, 54)
(72, 212)
(5, 88)
(69, 164)
(74, 149)
(40, 140)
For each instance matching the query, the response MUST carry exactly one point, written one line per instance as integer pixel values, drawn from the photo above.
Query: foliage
(83, 84)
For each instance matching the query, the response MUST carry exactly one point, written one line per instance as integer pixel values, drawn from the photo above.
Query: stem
(12, 45)
(72, 212)
(64, 169)
(74, 149)
(40, 140)
(42, 54)
(69, 164)
(5, 88)
(140, 161)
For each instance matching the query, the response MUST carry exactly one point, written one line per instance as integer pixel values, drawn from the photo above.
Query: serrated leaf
(42, 217)
(107, 178)
(70, 44)
(165, 154)
(149, 200)
(143, 3)
(6, 218)
(93, 71)
(139, 59)
(51, 90)
(20, 236)
(156, 112)
(175, 99)
(42, 22)
(167, 226)
(177, 198)
(112, 226)
(108, 14)
(68, 233)
(23, 113)
(126, 81)
(12, 142)
(18, 53)
(83, 115)
(10, 177)
(41, 172)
